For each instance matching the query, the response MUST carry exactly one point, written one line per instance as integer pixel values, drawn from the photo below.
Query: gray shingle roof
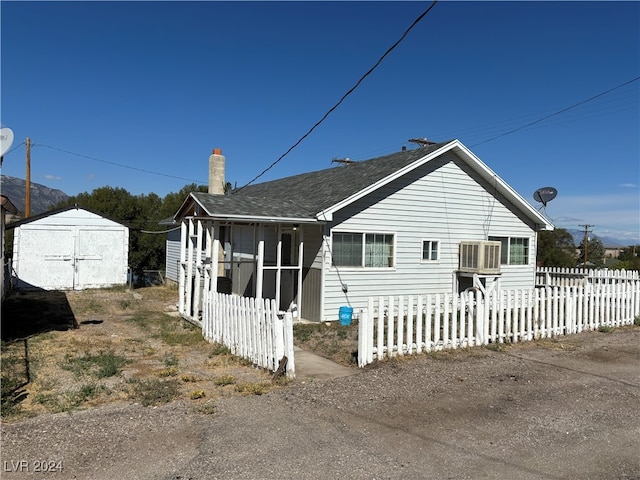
(305, 195)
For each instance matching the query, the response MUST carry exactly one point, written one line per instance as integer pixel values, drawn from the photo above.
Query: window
(513, 250)
(370, 250)
(430, 250)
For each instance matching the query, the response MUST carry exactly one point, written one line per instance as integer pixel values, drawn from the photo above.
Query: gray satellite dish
(6, 140)
(544, 195)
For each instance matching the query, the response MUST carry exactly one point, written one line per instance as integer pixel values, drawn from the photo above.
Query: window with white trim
(430, 250)
(366, 250)
(513, 250)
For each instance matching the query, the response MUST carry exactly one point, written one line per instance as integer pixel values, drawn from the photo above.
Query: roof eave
(253, 218)
(539, 220)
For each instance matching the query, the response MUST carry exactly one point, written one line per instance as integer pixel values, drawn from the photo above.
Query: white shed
(69, 249)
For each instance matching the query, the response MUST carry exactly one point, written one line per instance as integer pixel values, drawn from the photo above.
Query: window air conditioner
(482, 257)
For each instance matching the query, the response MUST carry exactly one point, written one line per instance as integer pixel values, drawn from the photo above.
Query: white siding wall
(440, 201)
(173, 255)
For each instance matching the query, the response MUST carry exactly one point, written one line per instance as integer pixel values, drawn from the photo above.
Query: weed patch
(219, 349)
(253, 388)
(154, 392)
(207, 408)
(100, 365)
(225, 380)
(196, 394)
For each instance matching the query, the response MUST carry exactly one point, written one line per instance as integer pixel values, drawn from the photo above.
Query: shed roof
(314, 196)
(55, 212)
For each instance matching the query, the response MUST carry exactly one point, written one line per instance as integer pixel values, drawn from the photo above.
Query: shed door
(47, 265)
(100, 257)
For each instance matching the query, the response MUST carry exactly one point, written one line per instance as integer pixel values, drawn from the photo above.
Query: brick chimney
(216, 172)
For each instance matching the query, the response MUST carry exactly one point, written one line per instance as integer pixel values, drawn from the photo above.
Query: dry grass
(68, 350)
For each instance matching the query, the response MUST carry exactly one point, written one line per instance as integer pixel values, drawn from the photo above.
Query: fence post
(390, 327)
(400, 329)
(288, 345)
(410, 325)
(419, 336)
(436, 322)
(480, 318)
(380, 339)
(363, 337)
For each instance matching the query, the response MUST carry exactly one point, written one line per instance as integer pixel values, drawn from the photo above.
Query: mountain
(42, 197)
(608, 242)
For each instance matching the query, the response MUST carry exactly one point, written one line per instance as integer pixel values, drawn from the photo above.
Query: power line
(558, 112)
(15, 148)
(116, 164)
(406, 32)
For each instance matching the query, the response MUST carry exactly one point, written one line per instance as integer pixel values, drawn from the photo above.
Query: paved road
(568, 410)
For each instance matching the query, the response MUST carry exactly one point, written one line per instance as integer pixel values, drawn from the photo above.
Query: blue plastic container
(345, 315)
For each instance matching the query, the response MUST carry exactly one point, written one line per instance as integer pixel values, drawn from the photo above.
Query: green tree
(629, 258)
(594, 252)
(556, 249)
(173, 201)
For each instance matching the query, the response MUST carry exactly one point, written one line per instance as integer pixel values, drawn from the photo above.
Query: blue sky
(155, 86)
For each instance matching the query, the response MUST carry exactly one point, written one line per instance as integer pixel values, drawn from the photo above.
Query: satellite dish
(6, 140)
(544, 195)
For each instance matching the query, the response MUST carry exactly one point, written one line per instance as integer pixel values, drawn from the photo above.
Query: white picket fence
(408, 325)
(252, 329)
(578, 277)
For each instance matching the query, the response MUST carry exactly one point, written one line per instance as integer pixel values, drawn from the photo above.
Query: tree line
(557, 249)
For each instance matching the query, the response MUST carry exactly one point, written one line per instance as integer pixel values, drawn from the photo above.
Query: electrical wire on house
(349, 92)
(160, 231)
(115, 164)
(22, 144)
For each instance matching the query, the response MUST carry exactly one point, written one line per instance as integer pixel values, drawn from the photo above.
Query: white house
(69, 249)
(429, 220)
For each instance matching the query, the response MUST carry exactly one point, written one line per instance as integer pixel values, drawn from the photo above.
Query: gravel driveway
(566, 409)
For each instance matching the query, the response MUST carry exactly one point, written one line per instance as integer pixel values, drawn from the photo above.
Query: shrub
(196, 394)
(225, 380)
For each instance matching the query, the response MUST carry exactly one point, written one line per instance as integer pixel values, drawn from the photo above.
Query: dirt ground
(64, 351)
(565, 408)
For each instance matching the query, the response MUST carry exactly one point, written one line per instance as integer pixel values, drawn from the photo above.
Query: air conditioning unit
(482, 257)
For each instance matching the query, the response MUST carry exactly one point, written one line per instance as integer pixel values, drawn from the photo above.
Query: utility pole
(585, 242)
(27, 198)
